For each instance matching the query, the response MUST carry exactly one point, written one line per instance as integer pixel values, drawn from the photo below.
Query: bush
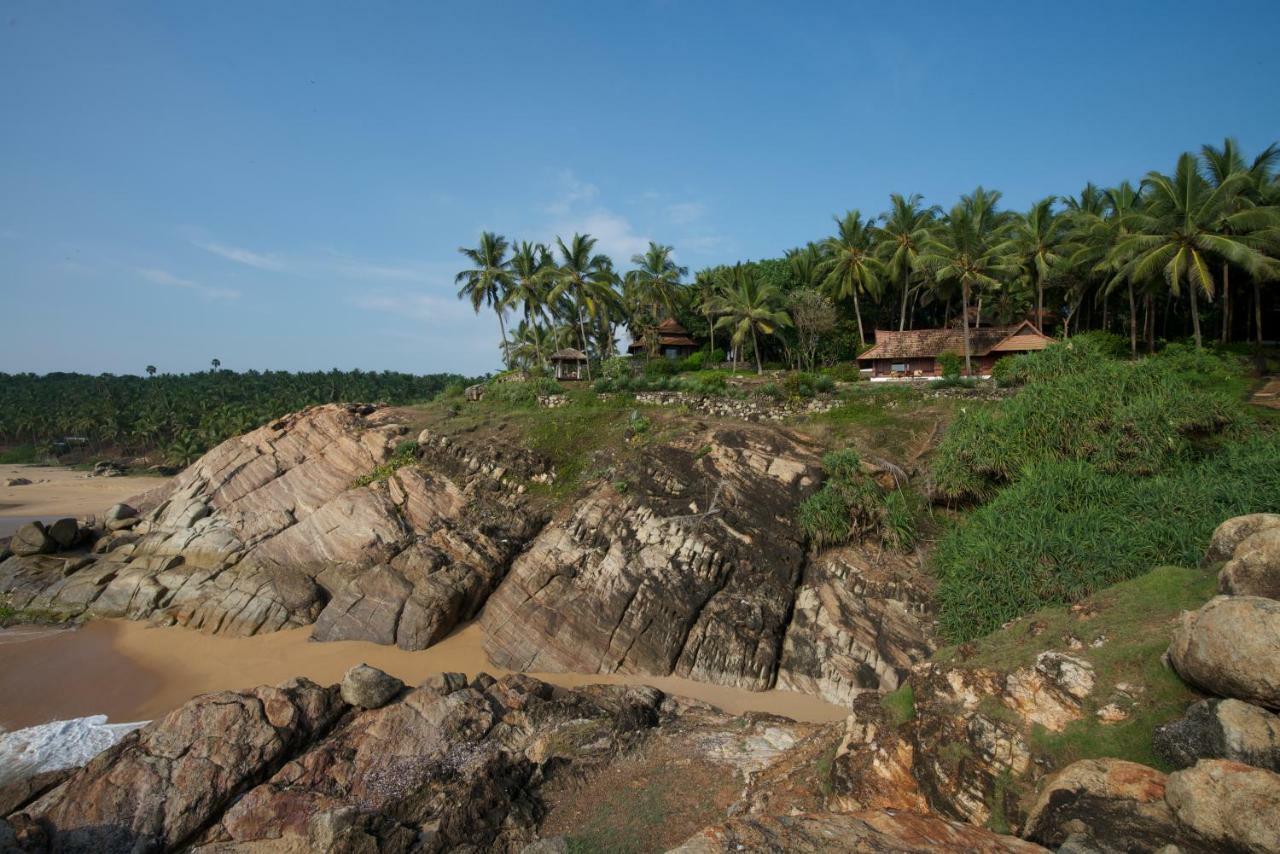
(694, 362)
(615, 368)
(951, 365)
(852, 505)
(1066, 529)
(523, 393)
(843, 372)
(1124, 417)
(703, 383)
(771, 390)
(823, 384)
(660, 368)
(800, 385)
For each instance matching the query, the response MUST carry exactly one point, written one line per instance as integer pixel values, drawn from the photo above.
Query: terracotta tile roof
(923, 343)
(671, 325)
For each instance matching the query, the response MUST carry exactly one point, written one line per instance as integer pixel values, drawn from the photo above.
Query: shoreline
(131, 671)
(57, 492)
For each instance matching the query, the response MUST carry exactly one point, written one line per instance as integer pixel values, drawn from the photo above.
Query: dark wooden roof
(923, 343)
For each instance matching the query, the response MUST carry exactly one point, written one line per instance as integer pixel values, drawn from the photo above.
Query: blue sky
(285, 185)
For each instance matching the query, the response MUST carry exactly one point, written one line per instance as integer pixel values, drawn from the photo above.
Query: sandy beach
(56, 491)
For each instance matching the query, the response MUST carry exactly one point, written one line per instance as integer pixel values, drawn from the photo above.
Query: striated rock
(868, 831)
(1113, 802)
(368, 687)
(272, 529)
(690, 570)
(1231, 647)
(860, 622)
(1227, 536)
(31, 539)
(1221, 729)
(167, 781)
(1235, 806)
(1049, 694)
(1254, 568)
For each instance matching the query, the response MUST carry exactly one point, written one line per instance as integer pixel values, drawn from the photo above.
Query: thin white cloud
(573, 193)
(434, 310)
(686, 213)
(247, 257)
(169, 280)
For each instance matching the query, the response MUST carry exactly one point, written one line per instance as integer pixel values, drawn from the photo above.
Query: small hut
(570, 364)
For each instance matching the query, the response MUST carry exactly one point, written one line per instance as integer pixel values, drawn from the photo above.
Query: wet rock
(368, 687)
(1231, 647)
(1254, 568)
(1221, 729)
(31, 539)
(162, 784)
(1235, 806)
(866, 831)
(1119, 804)
(64, 532)
(691, 570)
(1229, 535)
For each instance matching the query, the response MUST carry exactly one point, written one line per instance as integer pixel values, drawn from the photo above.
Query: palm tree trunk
(582, 329)
(857, 312)
(712, 330)
(755, 345)
(1150, 323)
(964, 319)
(1195, 315)
(1133, 324)
(1226, 302)
(1106, 326)
(1040, 303)
(1257, 310)
(506, 351)
(902, 317)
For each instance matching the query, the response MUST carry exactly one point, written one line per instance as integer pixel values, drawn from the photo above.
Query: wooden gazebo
(570, 364)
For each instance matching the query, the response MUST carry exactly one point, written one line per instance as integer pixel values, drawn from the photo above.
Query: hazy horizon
(285, 188)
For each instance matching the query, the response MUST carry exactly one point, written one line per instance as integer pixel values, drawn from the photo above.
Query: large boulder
(31, 539)
(866, 831)
(64, 532)
(1117, 805)
(164, 783)
(1221, 729)
(689, 569)
(1235, 806)
(1228, 535)
(368, 687)
(1254, 568)
(1231, 647)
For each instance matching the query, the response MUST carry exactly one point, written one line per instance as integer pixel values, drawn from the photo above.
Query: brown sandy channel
(130, 671)
(56, 491)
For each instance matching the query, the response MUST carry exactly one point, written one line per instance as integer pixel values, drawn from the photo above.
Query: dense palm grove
(1181, 255)
(182, 415)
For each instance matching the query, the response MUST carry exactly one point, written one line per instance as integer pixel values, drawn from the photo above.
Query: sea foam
(57, 745)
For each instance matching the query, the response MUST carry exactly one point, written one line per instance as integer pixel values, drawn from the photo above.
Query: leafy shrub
(799, 384)
(771, 390)
(1066, 529)
(406, 453)
(694, 362)
(823, 384)
(523, 393)
(851, 505)
(951, 365)
(1124, 417)
(703, 383)
(843, 372)
(615, 368)
(660, 368)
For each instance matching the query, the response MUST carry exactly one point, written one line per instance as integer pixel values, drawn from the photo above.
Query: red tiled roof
(923, 343)
(671, 325)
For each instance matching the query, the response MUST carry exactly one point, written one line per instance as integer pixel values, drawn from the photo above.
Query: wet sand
(56, 491)
(130, 671)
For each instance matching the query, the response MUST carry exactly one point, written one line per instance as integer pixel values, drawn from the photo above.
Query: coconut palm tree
(654, 289)
(588, 279)
(904, 232)
(707, 290)
(969, 248)
(1040, 244)
(1184, 224)
(488, 281)
(1221, 164)
(750, 308)
(851, 265)
(151, 370)
(1095, 234)
(531, 264)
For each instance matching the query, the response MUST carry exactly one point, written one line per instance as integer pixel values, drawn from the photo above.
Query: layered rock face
(687, 564)
(270, 530)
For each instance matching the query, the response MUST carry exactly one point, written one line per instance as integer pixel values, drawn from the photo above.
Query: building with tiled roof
(915, 352)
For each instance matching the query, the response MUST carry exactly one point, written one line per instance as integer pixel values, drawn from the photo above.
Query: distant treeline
(181, 415)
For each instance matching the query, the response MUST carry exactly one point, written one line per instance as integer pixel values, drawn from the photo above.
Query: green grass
(406, 453)
(900, 704)
(1066, 530)
(852, 505)
(1136, 618)
(19, 455)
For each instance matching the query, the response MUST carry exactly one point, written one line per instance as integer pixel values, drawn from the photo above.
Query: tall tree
(1184, 224)
(1095, 234)
(904, 233)
(1039, 241)
(851, 265)
(707, 290)
(654, 289)
(531, 265)
(970, 248)
(750, 308)
(587, 278)
(488, 281)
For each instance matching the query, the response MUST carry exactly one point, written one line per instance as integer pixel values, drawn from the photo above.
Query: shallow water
(130, 671)
(9, 524)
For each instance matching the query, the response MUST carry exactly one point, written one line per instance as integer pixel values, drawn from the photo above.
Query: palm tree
(1039, 240)
(969, 248)
(1095, 234)
(750, 308)
(531, 265)
(586, 277)
(904, 233)
(1221, 164)
(1184, 224)
(488, 281)
(216, 363)
(707, 292)
(151, 370)
(653, 288)
(851, 265)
